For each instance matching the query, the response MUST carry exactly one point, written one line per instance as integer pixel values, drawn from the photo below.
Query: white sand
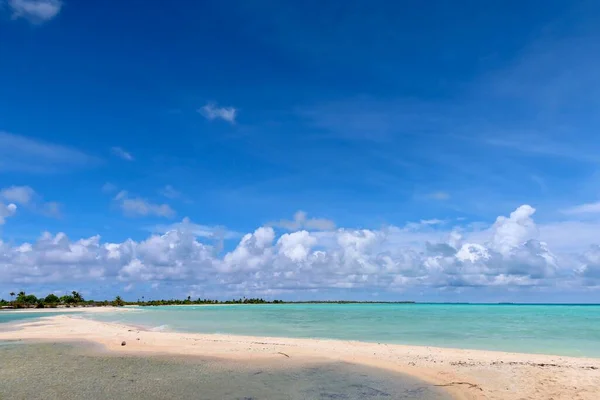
(61, 310)
(467, 374)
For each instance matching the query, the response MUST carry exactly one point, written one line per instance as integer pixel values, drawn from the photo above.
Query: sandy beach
(465, 374)
(97, 310)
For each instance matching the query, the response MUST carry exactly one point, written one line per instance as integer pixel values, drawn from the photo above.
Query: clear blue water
(548, 329)
(12, 316)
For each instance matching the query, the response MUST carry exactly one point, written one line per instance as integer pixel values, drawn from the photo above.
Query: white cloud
(26, 196)
(424, 223)
(589, 208)
(36, 11)
(510, 232)
(434, 221)
(590, 268)
(374, 260)
(301, 221)
(23, 154)
(296, 246)
(134, 207)
(252, 253)
(570, 236)
(211, 112)
(7, 210)
(121, 153)
(202, 231)
(18, 194)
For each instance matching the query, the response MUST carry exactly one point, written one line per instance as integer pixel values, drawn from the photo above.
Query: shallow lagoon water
(61, 371)
(7, 316)
(570, 330)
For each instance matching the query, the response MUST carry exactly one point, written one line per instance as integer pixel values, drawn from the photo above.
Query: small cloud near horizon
(301, 221)
(138, 207)
(198, 230)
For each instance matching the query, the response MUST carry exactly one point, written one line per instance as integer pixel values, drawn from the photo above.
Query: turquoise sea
(572, 330)
(11, 316)
(550, 329)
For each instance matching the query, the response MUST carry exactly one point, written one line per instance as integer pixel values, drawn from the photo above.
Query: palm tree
(118, 302)
(77, 297)
(12, 295)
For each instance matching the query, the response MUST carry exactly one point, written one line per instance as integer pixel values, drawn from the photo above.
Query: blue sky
(122, 119)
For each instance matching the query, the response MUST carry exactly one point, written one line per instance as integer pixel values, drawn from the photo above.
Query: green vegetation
(199, 301)
(24, 300)
(52, 299)
(75, 299)
(118, 302)
(205, 301)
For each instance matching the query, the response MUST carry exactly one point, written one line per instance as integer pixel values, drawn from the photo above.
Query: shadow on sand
(60, 371)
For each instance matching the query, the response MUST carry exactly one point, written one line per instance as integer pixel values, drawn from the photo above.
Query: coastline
(100, 309)
(465, 374)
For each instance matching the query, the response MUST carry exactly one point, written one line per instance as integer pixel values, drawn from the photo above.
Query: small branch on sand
(283, 354)
(471, 385)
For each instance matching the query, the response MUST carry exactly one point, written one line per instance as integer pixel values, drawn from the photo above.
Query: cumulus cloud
(509, 233)
(121, 153)
(590, 268)
(36, 11)
(211, 112)
(18, 194)
(7, 210)
(374, 260)
(136, 206)
(301, 221)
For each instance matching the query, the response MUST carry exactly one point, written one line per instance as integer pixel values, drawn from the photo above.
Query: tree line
(189, 301)
(75, 299)
(24, 300)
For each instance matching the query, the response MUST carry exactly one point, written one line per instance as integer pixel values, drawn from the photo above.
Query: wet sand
(62, 371)
(465, 374)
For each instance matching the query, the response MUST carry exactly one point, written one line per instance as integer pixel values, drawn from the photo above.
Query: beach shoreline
(465, 374)
(95, 309)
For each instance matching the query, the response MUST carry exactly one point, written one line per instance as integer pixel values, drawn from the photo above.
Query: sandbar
(465, 374)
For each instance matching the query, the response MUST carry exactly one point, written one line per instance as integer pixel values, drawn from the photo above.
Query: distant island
(75, 299)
